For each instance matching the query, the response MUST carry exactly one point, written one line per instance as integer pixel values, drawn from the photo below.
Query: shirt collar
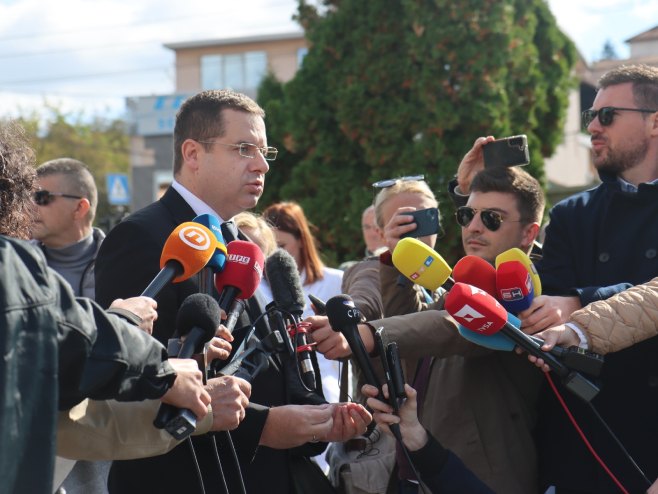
(629, 187)
(195, 203)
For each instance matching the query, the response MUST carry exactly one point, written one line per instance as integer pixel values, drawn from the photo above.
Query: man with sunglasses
(598, 243)
(66, 206)
(479, 403)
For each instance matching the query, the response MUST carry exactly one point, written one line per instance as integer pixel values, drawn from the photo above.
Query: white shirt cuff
(581, 336)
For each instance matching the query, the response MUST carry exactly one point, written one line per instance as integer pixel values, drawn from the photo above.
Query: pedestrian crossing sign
(118, 191)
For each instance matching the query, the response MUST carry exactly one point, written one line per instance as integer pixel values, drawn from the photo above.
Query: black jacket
(56, 351)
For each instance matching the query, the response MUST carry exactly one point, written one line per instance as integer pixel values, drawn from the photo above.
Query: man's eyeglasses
(607, 114)
(490, 219)
(248, 150)
(390, 182)
(45, 197)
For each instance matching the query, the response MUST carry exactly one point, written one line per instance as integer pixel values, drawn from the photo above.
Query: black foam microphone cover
(199, 314)
(283, 277)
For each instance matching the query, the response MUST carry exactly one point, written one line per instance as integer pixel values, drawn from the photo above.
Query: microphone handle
(226, 298)
(180, 422)
(534, 348)
(355, 342)
(206, 281)
(304, 356)
(234, 314)
(171, 270)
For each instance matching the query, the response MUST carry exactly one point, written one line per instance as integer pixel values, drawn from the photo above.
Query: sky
(86, 56)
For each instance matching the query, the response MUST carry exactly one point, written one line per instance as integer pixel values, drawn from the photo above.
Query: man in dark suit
(220, 161)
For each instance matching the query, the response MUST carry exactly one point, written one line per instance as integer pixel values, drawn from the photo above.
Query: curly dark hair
(17, 181)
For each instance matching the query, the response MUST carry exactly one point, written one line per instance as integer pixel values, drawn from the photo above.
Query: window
(238, 71)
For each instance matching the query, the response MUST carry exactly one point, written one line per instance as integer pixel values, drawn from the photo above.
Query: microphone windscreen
(475, 309)
(476, 271)
(198, 310)
(243, 268)
(516, 254)
(283, 277)
(192, 245)
(421, 264)
(211, 222)
(342, 312)
(514, 286)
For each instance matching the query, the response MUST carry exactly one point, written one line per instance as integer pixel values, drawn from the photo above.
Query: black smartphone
(381, 349)
(509, 151)
(427, 223)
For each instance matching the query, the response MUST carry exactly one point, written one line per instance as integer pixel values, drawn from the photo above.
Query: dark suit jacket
(127, 262)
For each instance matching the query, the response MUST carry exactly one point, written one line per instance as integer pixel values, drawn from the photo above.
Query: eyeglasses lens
(42, 197)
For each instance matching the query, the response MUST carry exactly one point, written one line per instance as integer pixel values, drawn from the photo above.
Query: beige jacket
(622, 320)
(115, 430)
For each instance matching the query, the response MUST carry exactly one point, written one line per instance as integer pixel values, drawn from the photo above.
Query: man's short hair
(200, 118)
(79, 180)
(17, 181)
(513, 180)
(644, 79)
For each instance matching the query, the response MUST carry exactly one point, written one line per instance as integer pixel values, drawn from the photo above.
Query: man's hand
(350, 420)
(547, 311)
(558, 335)
(472, 163)
(187, 390)
(219, 346)
(329, 343)
(413, 433)
(289, 426)
(229, 398)
(143, 307)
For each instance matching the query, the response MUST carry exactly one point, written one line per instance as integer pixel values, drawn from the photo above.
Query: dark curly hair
(17, 181)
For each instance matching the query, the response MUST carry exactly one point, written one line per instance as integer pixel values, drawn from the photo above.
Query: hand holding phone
(427, 223)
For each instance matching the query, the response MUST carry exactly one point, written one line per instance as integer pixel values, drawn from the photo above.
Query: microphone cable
(588, 444)
(219, 464)
(196, 464)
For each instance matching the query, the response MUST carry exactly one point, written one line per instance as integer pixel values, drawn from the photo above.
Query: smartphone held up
(509, 151)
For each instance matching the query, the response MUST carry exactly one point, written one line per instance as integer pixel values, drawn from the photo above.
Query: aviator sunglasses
(607, 114)
(45, 197)
(490, 219)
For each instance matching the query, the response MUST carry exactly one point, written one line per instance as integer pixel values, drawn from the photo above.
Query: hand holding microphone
(198, 319)
(478, 311)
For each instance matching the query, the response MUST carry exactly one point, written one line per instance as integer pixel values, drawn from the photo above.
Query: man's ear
(529, 234)
(83, 208)
(190, 152)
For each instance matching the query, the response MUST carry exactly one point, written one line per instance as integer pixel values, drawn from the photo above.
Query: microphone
(516, 254)
(574, 358)
(218, 258)
(187, 250)
(198, 319)
(288, 295)
(344, 317)
(514, 286)
(476, 271)
(241, 275)
(421, 264)
(478, 311)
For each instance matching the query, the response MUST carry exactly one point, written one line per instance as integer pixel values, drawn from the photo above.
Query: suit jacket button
(650, 253)
(604, 257)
